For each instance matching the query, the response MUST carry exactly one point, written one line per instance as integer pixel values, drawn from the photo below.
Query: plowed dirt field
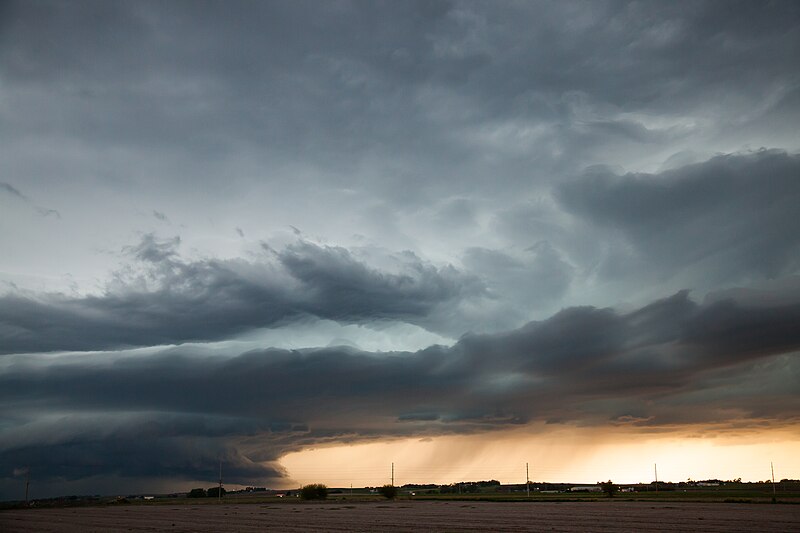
(412, 516)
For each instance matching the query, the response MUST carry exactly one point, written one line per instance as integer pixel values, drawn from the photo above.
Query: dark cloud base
(175, 413)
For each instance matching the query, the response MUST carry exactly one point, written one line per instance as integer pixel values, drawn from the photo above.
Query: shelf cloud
(672, 362)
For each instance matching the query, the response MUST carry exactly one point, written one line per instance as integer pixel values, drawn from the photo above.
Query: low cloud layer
(673, 363)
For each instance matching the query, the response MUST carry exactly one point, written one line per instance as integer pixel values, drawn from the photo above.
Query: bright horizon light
(561, 456)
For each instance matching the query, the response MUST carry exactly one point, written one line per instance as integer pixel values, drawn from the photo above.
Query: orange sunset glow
(568, 455)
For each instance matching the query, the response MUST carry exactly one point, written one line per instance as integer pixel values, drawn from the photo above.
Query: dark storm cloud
(443, 126)
(156, 444)
(343, 287)
(671, 362)
(171, 300)
(341, 83)
(730, 219)
(154, 70)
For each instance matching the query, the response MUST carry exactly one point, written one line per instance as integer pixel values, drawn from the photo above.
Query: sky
(309, 239)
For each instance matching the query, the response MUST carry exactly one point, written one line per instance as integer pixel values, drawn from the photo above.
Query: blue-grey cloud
(392, 79)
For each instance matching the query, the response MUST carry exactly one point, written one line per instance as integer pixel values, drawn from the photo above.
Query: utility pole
(772, 469)
(219, 494)
(655, 469)
(527, 481)
(28, 483)
(392, 474)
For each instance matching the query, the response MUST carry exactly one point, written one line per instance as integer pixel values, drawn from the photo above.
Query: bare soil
(412, 516)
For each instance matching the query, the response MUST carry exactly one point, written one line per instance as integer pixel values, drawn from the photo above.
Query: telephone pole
(527, 481)
(655, 469)
(28, 483)
(219, 494)
(392, 474)
(772, 469)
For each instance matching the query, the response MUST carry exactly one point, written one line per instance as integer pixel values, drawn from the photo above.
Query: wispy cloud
(14, 192)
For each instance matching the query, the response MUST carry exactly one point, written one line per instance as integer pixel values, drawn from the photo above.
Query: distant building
(586, 488)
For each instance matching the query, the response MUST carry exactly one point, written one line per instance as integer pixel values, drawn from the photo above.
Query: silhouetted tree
(314, 491)
(608, 487)
(388, 491)
(213, 492)
(197, 493)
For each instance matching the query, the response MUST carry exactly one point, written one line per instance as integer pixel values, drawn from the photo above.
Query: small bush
(388, 491)
(197, 493)
(314, 491)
